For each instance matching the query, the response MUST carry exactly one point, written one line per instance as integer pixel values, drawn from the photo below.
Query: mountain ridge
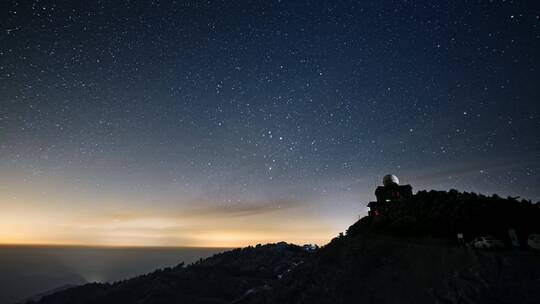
(409, 254)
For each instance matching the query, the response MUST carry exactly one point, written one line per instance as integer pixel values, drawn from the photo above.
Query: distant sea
(26, 271)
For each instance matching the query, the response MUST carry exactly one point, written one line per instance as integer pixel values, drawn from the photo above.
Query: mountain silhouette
(411, 254)
(408, 254)
(221, 278)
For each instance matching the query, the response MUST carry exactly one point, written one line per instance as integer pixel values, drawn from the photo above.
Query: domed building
(391, 191)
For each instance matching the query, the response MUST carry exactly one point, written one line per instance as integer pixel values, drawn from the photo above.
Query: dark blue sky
(254, 104)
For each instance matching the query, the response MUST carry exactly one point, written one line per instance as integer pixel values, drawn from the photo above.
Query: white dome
(390, 179)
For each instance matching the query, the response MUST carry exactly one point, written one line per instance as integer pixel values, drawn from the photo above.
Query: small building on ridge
(390, 192)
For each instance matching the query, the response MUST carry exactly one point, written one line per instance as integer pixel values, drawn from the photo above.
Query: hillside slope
(368, 269)
(409, 254)
(218, 279)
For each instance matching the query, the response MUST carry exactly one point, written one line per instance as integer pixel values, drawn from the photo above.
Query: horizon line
(113, 246)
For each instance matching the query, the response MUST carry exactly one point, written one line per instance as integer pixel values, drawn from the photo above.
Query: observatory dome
(390, 179)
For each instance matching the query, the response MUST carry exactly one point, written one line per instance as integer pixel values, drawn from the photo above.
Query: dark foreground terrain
(367, 269)
(410, 254)
(221, 278)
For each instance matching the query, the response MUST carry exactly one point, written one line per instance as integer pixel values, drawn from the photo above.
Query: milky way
(113, 109)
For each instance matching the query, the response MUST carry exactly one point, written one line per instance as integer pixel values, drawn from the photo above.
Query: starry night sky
(236, 122)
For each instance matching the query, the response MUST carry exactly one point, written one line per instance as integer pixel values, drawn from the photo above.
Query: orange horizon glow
(161, 231)
(205, 240)
(48, 212)
(113, 226)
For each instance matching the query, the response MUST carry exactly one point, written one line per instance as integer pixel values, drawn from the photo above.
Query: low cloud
(243, 209)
